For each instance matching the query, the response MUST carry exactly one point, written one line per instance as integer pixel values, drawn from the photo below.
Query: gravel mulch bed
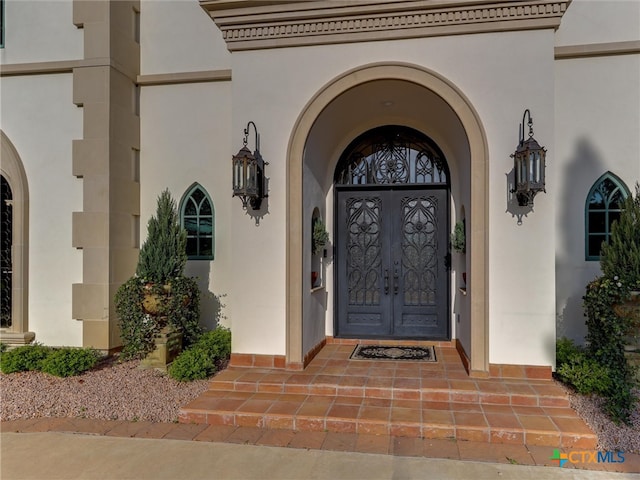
(113, 391)
(611, 437)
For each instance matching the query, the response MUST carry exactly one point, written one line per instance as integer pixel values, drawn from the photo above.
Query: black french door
(391, 262)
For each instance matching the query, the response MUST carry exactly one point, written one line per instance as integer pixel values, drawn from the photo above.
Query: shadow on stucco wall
(573, 272)
(517, 211)
(211, 306)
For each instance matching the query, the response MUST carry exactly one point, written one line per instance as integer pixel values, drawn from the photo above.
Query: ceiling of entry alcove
(382, 102)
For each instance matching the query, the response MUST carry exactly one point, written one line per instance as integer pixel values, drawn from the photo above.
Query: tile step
(541, 393)
(551, 426)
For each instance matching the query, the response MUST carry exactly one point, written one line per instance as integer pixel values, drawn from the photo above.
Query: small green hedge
(61, 362)
(574, 367)
(24, 359)
(67, 362)
(201, 360)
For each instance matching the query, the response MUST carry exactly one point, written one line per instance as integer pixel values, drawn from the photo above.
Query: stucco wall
(599, 21)
(597, 125)
(38, 116)
(179, 36)
(185, 139)
(272, 87)
(38, 31)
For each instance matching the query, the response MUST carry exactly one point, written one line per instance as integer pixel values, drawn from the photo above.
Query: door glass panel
(419, 248)
(363, 251)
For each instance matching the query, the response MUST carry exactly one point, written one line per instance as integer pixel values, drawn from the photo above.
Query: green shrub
(3, 347)
(192, 364)
(24, 358)
(565, 350)
(217, 342)
(67, 362)
(606, 334)
(620, 257)
(164, 253)
(201, 360)
(585, 375)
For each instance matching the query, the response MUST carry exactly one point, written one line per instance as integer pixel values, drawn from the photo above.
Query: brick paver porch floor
(396, 399)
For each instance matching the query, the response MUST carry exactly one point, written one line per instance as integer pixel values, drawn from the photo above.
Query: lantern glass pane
(523, 170)
(237, 174)
(532, 167)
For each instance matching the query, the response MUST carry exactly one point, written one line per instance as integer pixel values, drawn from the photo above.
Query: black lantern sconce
(248, 173)
(528, 166)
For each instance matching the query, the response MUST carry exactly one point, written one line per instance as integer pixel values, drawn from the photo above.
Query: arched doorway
(15, 247)
(391, 236)
(445, 97)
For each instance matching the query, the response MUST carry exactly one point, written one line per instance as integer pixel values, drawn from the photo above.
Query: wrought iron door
(6, 273)
(391, 263)
(392, 190)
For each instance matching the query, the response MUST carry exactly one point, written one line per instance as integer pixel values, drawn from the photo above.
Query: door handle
(395, 279)
(386, 281)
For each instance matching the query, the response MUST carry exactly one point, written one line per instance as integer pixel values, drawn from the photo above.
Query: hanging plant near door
(320, 236)
(458, 238)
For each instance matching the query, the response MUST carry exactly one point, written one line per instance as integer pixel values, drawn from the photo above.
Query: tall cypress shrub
(621, 256)
(163, 255)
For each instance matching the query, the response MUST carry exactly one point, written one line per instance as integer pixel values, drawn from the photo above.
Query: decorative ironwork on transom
(392, 155)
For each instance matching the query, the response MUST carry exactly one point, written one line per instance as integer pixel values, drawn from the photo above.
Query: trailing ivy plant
(620, 263)
(606, 332)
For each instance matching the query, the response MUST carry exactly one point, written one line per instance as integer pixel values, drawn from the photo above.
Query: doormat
(394, 352)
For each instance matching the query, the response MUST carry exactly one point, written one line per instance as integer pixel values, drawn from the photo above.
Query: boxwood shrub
(203, 358)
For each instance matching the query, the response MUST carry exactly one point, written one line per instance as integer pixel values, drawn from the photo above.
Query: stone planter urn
(168, 345)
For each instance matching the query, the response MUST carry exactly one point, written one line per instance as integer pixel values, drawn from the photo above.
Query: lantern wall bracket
(248, 172)
(529, 165)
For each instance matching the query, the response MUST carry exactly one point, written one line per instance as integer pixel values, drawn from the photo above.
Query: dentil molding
(250, 25)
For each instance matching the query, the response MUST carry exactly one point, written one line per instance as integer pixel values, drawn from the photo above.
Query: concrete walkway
(55, 455)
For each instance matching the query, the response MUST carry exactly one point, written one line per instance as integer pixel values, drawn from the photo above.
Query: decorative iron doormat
(394, 352)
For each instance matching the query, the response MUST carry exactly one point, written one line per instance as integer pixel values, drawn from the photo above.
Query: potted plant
(158, 308)
(612, 319)
(319, 237)
(458, 240)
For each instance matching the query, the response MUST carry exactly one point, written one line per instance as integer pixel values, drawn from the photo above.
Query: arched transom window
(603, 206)
(392, 155)
(197, 217)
